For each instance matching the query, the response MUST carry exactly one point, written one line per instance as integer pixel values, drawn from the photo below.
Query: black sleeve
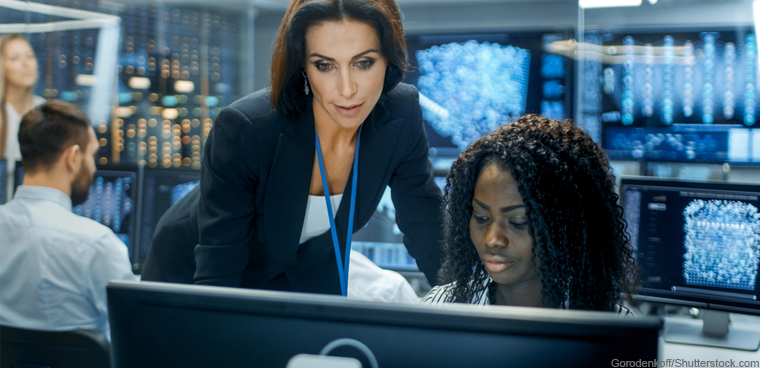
(417, 199)
(171, 258)
(227, 207)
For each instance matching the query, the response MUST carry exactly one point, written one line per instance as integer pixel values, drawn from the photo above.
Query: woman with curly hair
(531, 219)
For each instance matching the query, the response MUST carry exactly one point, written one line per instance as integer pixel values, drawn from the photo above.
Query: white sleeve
(108, 261)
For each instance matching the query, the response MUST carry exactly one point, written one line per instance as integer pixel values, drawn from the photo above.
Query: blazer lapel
(287, 190)
(290, 178)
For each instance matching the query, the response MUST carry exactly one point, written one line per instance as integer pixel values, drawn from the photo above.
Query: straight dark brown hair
(289, 54)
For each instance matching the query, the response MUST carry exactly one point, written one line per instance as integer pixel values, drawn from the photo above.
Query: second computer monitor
(382, 241)
(111, 201)
(161, 188)
(697, 243)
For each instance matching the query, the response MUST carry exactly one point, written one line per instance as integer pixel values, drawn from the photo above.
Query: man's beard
(80, 188)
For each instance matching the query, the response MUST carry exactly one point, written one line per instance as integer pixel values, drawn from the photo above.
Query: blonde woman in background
(18, 76)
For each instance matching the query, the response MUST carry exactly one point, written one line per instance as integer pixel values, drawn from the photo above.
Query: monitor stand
(714, 332)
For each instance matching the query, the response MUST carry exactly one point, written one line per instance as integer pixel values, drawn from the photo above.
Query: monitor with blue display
(382, 241)
(111, 202)
(471, 83)
(684, 95)
(161, 188)
(697, 244)
(172, 325)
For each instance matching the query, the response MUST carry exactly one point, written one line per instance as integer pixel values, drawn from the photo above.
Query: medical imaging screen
(470, 84)
(3, 181)
(112, 203)
(382, 241)
(677, 95)
(161, 189)
(695, 242)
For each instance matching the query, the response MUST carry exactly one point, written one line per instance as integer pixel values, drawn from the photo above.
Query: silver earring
(305, 84)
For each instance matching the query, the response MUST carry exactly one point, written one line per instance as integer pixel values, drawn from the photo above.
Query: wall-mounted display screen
(472, 83)
(687, 95)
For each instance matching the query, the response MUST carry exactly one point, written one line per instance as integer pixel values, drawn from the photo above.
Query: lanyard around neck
(342, 266)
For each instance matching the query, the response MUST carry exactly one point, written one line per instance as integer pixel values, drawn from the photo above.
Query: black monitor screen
(678, 95)
(111, 201)
(3, 181)
(470, 83)
(696, 241)
(382, 241)
(18, 175)
(160, 324)
(161, 188)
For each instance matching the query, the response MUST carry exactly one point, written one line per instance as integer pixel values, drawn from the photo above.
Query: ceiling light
(587, 4)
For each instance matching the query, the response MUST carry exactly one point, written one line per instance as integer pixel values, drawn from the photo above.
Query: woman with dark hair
(531, 219)
(335, 128)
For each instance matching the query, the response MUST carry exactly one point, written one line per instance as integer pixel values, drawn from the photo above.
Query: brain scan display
(469, 89)
(722, 244)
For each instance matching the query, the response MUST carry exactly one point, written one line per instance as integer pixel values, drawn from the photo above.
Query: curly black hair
(577, 227)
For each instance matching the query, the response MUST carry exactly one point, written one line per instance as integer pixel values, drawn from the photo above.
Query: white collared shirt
(54, 265)
(442, 294)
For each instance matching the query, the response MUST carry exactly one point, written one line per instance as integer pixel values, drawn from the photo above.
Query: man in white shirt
(54, 265)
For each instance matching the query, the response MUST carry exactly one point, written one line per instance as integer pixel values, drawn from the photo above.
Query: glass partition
(151, 76)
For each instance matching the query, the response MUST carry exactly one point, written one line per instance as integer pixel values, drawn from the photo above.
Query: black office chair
(21, 348)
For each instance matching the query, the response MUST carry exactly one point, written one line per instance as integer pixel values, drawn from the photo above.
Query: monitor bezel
(137, 261)
(128, 301)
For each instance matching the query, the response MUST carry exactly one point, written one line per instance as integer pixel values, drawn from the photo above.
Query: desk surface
(704, 353)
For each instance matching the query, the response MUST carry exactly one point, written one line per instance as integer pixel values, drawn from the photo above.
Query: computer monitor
(111, 202)
(472, 82)
(382, 241)
(3, 180)
(161, 188)
(161, 325)
(698, 245)
(683, 94)
(18, 175)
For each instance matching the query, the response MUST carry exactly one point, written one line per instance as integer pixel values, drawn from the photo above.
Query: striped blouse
(444, 294)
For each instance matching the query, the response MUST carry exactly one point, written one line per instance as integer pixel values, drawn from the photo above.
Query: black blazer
(255, 182)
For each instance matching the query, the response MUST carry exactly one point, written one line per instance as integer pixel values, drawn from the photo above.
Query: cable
(351, 342)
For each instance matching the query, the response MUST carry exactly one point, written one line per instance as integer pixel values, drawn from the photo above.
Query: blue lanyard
(342, 266)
